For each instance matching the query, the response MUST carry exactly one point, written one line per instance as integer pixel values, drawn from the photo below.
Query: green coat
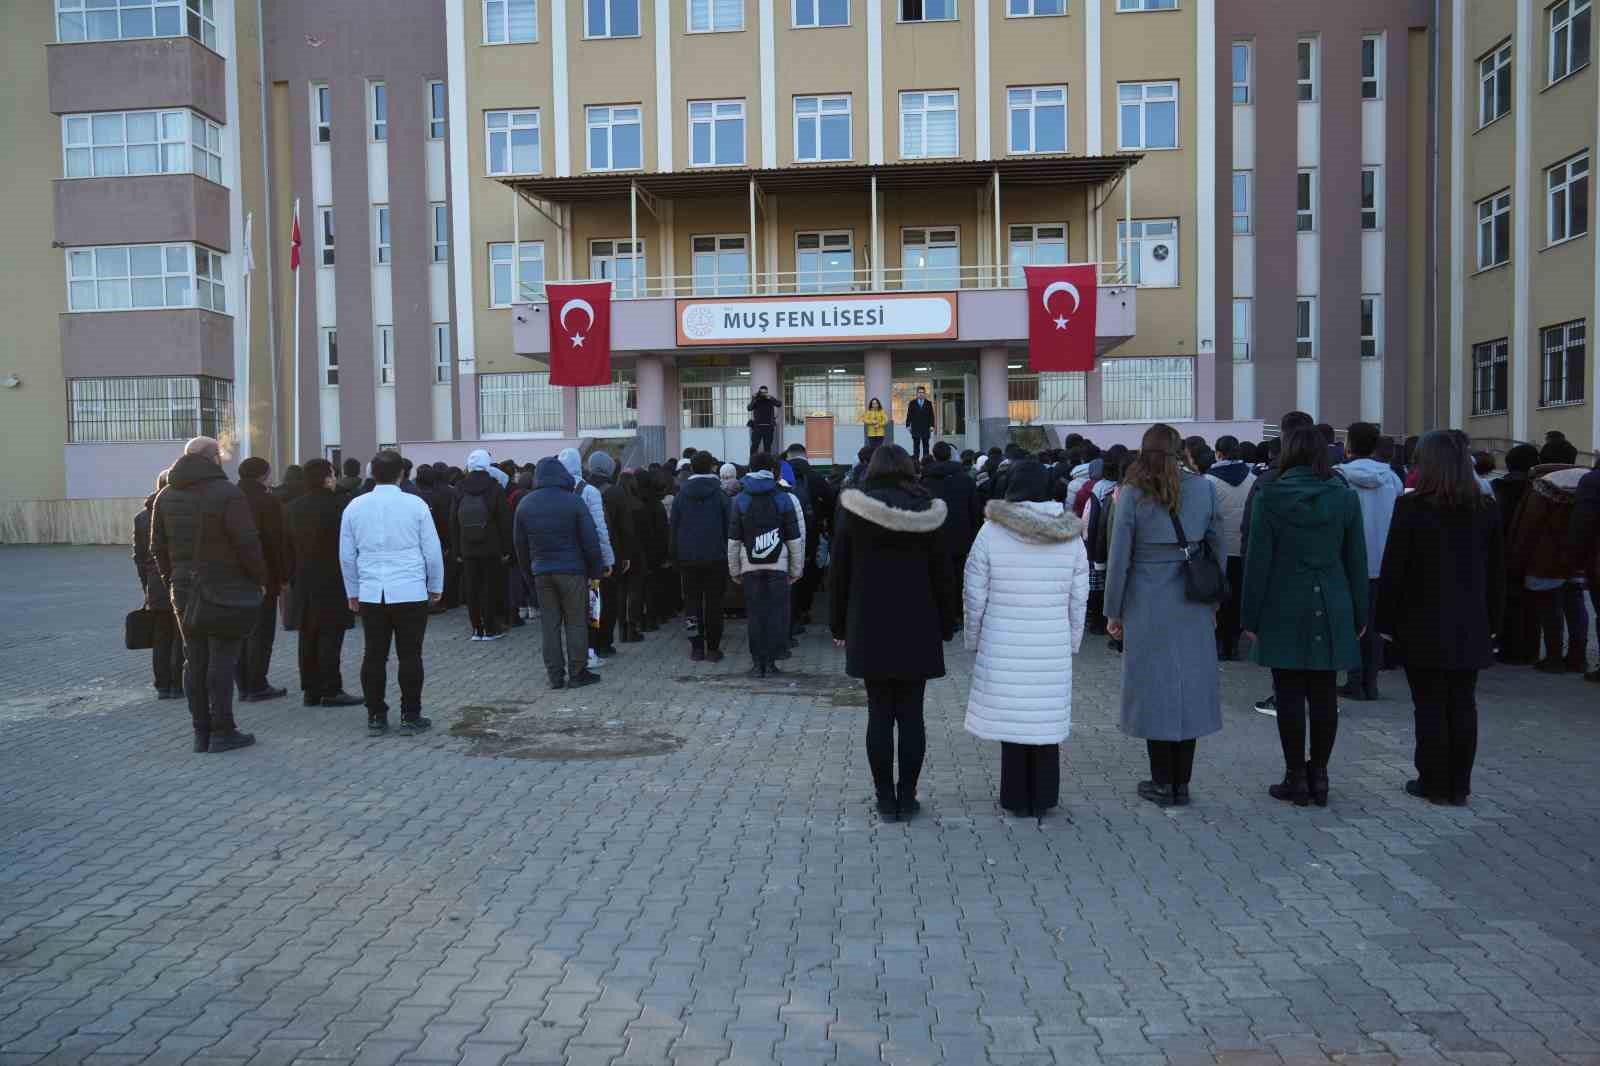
(1305, 577)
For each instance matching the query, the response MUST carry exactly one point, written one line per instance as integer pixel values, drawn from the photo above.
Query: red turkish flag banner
(294, 240)
(1062, 306)
(580, 333)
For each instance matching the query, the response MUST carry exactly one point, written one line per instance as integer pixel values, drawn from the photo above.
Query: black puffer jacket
(948, 481)
(495, 543)
(155, 589)
(201, 510)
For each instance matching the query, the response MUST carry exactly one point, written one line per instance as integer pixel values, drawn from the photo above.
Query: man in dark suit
(255, 656)
(919, 420)
(317, 599)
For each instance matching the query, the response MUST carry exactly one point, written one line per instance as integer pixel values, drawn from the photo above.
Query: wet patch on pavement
(520, 731)
(832, 690)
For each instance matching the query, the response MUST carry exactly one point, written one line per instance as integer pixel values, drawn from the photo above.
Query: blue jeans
(766, 604)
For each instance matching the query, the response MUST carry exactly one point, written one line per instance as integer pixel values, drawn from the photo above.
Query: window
(1147, 114)
(611, 18)
(1371, 198)
(330, 357)
(823, 262)
(441, 353)
(930, 259)
(1564, 349)
(384, 349)
(1147, 390)
(1494, 230)
(126, 143)
(1491, 364)
(530, 272)
(715, 16)
(1567, 202)
(382, 252)
(838, 391)
(1494, 84)
(1151, 251)
(322, 113)
(721, 265)
(1241, 201)
(1243, 329)
(1147, 5)
(1241, 72)
(613, 406)
(1569, 38)
(1038, 118)
(927, 10)
(1048, 397)
(1306, 70)
(518, 403)
(513, 141)
(1035, 8)
(1371, 327)
(813, 13)
(1371, 68)
(128, 410)
(716, 133)
(145, 277)
(929, 125)
(614, 138)
(441, 232)
(510, 22)
(1042, 244)
(379, 102)
(436, 110)
(614, 260)
(101, 20)
(821, 129)
(1305, 328)
(325, 234)
(1305, 203)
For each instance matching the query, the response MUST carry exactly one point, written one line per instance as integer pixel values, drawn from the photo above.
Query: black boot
(888, 807)
(1293, 789)
(202, 741)
(1160, 795)
(377, 724)
(906, 802)
(410, 727)
(229, 741)
(1317, 784)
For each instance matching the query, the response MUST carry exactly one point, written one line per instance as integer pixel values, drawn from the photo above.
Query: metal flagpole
(294, 377)
(241, 411)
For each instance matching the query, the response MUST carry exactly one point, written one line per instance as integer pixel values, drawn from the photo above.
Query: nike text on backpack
(763, 537)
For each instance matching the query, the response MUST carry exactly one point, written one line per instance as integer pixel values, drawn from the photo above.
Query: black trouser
(321, 641)
(563, 613)
(255, 653)
(1371, 645)
(166, 653)
(891, 705)
(1030, 777)
(919, 444)
(767, 610)
(1228, 615)
(209, 664)
(805, 590)
(610, 604)
(704, 586)
(452, 581)
(631, 589)
(1301, 692)
(1171, 761)
(482, 578)
(1519, 628)
(761, 439)
(1562, 613)
(1445, 708)
(404, 624)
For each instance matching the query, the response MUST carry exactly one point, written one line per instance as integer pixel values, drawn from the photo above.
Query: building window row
(1490, 372)
(107, 20)
(377, 105)
(716, 16)
(1567, 199)
(1494, 84)
(128, 143)
(1565, 348)
(145, 277)
(130, 410)
(1569, 25)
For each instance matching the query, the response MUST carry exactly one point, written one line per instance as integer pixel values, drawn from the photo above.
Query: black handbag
(1204, 580)
(226, 607)
(139, 629)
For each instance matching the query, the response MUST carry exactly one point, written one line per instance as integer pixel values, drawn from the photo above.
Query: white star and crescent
(576, 337)
(1068, 287)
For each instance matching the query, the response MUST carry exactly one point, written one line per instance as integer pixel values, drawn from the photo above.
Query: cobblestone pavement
(681, 865)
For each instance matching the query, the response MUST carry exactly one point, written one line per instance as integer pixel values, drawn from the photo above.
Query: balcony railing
(820, 282)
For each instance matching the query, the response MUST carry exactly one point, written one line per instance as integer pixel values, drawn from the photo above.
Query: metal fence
(131, 410)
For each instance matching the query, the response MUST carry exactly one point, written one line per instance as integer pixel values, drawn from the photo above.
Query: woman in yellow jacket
(876, 419)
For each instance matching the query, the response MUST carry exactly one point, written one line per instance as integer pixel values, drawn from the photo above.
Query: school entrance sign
(820, 319)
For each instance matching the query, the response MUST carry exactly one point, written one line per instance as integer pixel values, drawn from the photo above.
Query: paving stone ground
(537, 892)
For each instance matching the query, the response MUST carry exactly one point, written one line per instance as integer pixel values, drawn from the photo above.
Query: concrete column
(767, 369)
(569, 412)
(879, 372)
(673, 408)
(1094, 398)
(650, 445)
(994, 399)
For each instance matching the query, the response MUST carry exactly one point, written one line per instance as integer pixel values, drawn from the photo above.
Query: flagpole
(294, 373)
(241, 412)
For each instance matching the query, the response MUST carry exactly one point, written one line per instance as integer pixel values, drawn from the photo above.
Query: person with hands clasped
(763, 408)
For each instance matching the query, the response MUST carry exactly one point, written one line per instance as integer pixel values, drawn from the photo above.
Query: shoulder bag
(139, 628)
(222, 606)
(1203, 578)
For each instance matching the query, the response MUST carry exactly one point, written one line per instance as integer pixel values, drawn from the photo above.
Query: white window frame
(382, 236)
(1569, 174)
(185, 275)
(1032, 106)
(1029, 9)
(1305, 218)
(438, 110)
(1372, 83)
(516, 120)
(1306, 80)
(1491, 209)
(720, 282)
(822, 103)
(711, 24)
(607, 254)
(918, 114)
(1243, 218)
(1305, 340)
(129, 410)
(713, 115)
(442, 358)
(813, 279)
(603, 33)
(1376, 210)
(1244, 328)
(321, 113)
(1371, 341)
(1128, 7)
(1486, 357)
(185, 142)
(439, 226)
(603, 116)
(497, 21)
(816, 22)
(900, 11)
(1494, 71)
(186, 18)
(1144, 103)
(328, 356)
(1126, 249)
(377, 112)
(931, 237)
(383, 355)
(1573, 389)
(1248, 85)
(327, 236)
(1034, 236)
(1563, 58)
(500, 258)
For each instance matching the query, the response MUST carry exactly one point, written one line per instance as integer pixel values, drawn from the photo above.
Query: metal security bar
(609, 407)
(1047, 397)
(131, 410)
(1143, 390)
(518, 403)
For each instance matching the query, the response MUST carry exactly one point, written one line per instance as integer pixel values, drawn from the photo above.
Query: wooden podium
(819, 438)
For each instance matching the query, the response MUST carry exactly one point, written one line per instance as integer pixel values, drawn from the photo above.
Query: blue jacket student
(553, 531)
(699, 523)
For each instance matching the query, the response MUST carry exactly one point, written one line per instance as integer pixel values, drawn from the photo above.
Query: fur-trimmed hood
(1040, 523)
(897, 519)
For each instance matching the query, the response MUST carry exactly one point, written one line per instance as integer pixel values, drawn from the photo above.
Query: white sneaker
(493, 636)
(595, 662)
(475, 636)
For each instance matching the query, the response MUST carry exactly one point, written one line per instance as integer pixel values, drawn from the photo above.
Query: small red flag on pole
(294, 240)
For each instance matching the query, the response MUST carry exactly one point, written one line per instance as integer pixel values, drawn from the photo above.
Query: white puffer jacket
(1026, 589)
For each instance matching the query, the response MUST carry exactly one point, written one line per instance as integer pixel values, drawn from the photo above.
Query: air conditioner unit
(1158, 262)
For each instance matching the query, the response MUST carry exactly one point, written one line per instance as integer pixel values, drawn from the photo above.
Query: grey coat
(1170, 686)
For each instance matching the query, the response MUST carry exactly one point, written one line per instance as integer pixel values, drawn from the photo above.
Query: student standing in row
(317, 599)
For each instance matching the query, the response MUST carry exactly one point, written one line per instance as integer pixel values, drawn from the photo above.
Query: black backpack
(474, 518)
(763, 531)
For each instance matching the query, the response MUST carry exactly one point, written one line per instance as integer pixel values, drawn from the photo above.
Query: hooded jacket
(496, 542)
(792, 560)
(199, 494)
(553, 530)
(1233, 480)
(1026, 589)
(1540, 537)
(699, 523)
(728, 474)
(573, 464)
(947, 481)
(155, 589)
(1305, 577)
(1377, 488)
